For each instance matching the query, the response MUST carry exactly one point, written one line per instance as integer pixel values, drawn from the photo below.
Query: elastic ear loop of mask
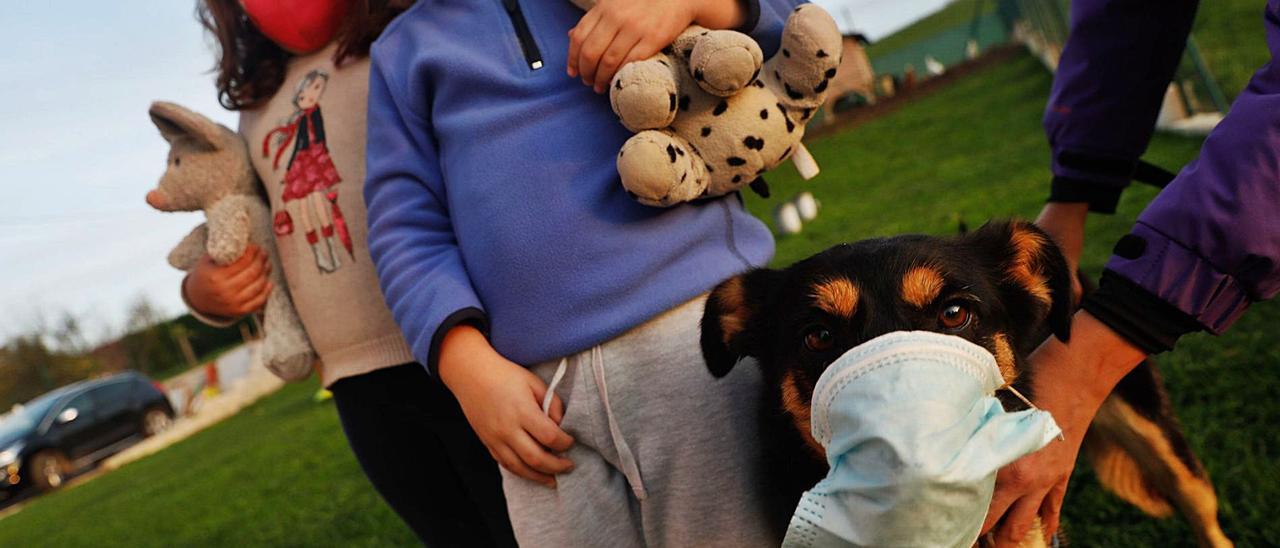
(991, 536)
(1016, 393)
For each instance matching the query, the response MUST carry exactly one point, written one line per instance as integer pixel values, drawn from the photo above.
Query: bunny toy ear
(177, 122)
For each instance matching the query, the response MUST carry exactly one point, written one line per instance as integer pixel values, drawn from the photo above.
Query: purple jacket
(1209, 244)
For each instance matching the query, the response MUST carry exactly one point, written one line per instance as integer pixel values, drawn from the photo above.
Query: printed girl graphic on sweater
(310, 179)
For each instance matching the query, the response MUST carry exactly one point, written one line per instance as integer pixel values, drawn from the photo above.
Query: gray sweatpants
(665, 454)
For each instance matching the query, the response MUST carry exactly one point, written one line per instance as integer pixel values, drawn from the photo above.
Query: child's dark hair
(251, 67)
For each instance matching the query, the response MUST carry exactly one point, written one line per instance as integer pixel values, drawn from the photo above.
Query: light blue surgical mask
(914, 437)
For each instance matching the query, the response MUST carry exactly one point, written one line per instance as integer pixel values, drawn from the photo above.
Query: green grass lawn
(1231, 37)
(277, 474)
(280, 473)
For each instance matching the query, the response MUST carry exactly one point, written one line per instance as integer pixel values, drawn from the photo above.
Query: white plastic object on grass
(934, 66)
(787, 218)
(807, 206)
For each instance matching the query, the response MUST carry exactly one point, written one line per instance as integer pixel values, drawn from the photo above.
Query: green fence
(1042, 25)
(947, 46)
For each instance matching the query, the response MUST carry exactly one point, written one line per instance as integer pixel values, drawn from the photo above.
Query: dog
(1005, 287)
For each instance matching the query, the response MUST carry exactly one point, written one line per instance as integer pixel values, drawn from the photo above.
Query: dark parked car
(54, 435)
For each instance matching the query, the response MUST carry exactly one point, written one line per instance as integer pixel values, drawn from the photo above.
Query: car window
(36, 409)
(16, 423)
(82, 403)
(113, 395)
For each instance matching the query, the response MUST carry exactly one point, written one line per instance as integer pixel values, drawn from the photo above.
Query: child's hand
(616, 32)
(229, 291)
(502, 401)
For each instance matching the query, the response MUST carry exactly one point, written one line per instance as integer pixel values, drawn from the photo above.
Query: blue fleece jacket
(494, 198)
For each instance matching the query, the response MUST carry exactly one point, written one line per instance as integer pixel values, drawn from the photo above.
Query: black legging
(414, 443)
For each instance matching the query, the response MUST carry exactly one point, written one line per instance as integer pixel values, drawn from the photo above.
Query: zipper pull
(523, 34)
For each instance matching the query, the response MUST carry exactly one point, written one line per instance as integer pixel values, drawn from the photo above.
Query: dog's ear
(735, 314)
(1033, 276)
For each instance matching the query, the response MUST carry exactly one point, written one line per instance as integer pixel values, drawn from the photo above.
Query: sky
(78, 152)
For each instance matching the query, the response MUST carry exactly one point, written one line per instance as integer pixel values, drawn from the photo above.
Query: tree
(30, 367)
(70, 336)
(148, 344)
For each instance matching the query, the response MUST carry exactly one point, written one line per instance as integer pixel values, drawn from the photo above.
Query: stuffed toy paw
(711, 115)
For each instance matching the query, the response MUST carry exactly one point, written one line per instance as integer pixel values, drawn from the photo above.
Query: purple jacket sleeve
(1112, 76)
(411, 237)
(1209, 244)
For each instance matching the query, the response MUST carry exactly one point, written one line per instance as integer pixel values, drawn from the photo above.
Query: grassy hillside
(956, 13)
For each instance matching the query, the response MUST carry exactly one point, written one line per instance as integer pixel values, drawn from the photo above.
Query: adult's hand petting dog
(1072, 380)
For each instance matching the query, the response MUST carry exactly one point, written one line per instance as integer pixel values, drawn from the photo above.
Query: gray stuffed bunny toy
(209, 170)
(711, 116)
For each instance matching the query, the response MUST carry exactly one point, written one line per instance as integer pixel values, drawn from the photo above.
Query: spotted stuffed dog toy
(209, 170)
(711, 116)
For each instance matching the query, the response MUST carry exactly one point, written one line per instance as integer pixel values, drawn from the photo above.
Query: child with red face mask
(298, 73)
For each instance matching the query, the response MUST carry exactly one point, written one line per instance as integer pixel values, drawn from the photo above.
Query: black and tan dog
(1005, 287)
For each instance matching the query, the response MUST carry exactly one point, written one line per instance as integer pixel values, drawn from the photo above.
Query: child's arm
(615, 32)
(517, 436)
(230, 291)
(426, 285)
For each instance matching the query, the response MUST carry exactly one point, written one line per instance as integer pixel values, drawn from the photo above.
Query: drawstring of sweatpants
(626, 459)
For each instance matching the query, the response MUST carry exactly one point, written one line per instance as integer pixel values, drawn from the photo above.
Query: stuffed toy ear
(734, 319)
(1035, 282)
(177, 122)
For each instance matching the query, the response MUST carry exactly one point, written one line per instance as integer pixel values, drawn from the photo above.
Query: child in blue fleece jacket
(511, 257)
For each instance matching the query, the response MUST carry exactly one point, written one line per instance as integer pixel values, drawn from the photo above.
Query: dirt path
(858, 116)
(259, 384)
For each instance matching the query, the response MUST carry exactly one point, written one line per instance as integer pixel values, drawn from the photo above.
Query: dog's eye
(177, 161)
(818, 339)
(955, 316)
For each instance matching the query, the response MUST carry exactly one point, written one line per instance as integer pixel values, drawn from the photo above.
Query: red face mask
(300, 26)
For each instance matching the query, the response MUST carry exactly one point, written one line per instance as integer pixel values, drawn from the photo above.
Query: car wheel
(155, 421)
(49, 470)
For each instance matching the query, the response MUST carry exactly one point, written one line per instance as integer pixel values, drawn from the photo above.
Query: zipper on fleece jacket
(527, 44)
